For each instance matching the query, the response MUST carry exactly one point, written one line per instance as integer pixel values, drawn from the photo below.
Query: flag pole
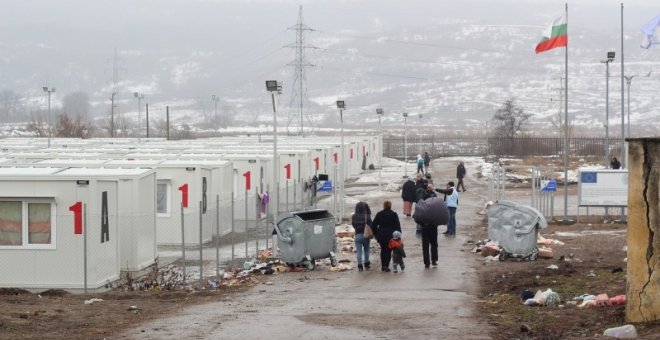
(622, 155)
(566, 124)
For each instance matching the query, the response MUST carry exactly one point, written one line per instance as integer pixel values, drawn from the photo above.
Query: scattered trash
(622, 332)
(591, 273)
(269, 283)
(134, 309)
(617, 270)
(548, 298)
(552, 266)
(213, 284)
(546, 253)
(92, 300)
(342, 267)
(247, 265)
(618, 300)
(345, 230)
(526, 295)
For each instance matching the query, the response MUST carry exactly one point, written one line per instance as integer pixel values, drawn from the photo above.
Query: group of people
(386, 226)
(386, 229)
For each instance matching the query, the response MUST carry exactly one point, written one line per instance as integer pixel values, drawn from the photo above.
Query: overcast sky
(235, 44)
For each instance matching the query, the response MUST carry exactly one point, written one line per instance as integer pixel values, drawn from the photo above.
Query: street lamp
(272, 86)
(610, 58)
(405, 145)
(216, 99)
(420, 118)
(380, 113)
(139, 98)
(49, 90)
(341, 105)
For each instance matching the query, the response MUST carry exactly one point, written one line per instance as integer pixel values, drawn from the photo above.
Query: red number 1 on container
(247, 180)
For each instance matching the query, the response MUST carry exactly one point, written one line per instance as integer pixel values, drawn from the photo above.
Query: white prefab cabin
(47, 213)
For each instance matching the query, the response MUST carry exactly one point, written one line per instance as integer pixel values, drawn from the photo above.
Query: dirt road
(435, 303)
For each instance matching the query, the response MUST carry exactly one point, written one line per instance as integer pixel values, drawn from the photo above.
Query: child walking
(396, 244)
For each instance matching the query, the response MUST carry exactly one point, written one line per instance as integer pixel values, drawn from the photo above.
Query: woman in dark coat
(384, 225)
(408, 196)
(362, 217)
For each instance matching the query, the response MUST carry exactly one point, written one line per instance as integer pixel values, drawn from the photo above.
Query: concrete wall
(643, 286)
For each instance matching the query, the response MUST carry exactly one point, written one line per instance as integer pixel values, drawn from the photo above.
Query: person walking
(360, 218)
(398, 253)
(421, 192)
(429, 214)
(427, 161)
(451, 198)
(420, 164)
(615, 164)
(385, 223)
(460, 174)
(408, 196)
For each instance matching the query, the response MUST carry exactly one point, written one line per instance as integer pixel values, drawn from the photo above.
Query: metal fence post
(85, 247)
(246, 224)
(201, 248)
(217, 237)
(233, 231)
(183, 243)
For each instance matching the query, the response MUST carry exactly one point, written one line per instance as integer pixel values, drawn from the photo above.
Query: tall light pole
(216, 99)
(610, 58)
(628, 81)
(380, 113)
(341, 105)
(405, 145)
(272, 86)
(139, 98)
(49, 90)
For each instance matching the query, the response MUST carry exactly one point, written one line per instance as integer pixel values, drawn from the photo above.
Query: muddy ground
(592, 262)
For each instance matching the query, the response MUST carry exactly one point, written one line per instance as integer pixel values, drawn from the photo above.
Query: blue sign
(589, 177)
(326, 186)
(549, 185)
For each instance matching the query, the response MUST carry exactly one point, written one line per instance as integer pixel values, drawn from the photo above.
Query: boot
(360, 268)
(367, 265)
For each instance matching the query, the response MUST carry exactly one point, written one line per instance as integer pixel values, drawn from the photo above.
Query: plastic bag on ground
(622, 332)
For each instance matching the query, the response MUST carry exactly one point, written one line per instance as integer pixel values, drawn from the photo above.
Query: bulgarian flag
(554, 36)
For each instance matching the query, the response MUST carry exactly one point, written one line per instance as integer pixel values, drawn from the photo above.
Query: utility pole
(112, 115)
(147, 114)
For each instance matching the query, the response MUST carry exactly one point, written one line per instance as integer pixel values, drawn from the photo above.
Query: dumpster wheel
(311, 264)
(333, 262)
(503, 255)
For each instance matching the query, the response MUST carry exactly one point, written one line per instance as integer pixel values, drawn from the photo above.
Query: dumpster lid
(308, 215)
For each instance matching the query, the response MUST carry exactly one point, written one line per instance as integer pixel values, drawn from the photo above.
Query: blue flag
(649, 30)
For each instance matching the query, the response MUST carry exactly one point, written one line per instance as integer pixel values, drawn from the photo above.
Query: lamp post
(341, 105)
(610, 58)
(405, 145)
(139, 98)
(49, 90)
(629, 81)
(216, 99)
(380, 113)
(272, 86)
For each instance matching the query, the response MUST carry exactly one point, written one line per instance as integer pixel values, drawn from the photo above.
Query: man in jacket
(430, 213)
(385, 223)
(460, 173)
(451, 198)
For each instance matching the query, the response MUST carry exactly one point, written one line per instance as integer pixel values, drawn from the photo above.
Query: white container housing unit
(43, 226)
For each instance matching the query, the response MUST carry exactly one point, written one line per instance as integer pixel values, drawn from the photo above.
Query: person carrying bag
(361, 221)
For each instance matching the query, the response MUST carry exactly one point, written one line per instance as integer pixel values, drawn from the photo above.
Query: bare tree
(560, 126)
(509, 119)
(67, 127)
(37, 126)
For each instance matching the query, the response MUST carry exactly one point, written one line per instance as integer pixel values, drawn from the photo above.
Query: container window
(163, 193)
(27, 223)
